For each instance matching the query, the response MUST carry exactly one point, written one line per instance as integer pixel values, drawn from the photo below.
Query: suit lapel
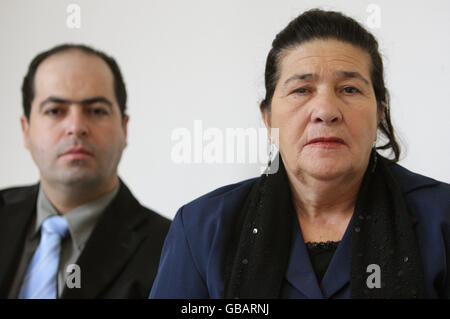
(112, 243)
(300, 273)
(15, 217)
(338, 271)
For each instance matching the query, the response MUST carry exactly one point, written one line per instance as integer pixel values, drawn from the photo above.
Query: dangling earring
(374, 151)
(269, 163)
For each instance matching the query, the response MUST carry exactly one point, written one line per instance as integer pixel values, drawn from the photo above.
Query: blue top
(193, 258)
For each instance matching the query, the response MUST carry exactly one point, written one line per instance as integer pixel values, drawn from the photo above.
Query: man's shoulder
(154, 219)
(16, 194)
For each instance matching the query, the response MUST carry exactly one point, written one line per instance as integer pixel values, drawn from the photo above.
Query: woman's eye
(351, 90)
(301, 90)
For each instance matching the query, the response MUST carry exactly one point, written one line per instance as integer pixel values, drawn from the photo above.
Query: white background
(204, 60)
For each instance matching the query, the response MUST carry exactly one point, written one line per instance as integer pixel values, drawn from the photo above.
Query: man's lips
(77, 152)
(332, 140)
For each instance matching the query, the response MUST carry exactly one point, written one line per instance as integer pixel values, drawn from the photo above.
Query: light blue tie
(40, 281)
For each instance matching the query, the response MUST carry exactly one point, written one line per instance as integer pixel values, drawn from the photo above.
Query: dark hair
(318, 24)
(28, 81)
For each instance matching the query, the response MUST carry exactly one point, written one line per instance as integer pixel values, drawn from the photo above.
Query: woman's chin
(325, 169)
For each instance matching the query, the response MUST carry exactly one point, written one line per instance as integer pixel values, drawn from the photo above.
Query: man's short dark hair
(28, 87)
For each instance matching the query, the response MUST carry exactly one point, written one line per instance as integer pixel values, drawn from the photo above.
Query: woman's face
(325, 108)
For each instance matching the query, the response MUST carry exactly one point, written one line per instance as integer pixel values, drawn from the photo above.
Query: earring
(374, 151)
(269, 163)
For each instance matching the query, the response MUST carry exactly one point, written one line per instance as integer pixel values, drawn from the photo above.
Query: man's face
(75, 132)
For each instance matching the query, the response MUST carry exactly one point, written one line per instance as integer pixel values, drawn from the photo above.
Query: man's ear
(24, 123)
(125, 120)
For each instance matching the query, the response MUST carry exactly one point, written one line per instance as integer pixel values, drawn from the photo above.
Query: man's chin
(79, 178)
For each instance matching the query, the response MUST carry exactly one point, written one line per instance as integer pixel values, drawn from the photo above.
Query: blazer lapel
(300, 273)
(338, 271)
(15, 217)
(111, 244)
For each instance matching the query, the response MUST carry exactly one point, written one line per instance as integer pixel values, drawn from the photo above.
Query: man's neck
(66, 198)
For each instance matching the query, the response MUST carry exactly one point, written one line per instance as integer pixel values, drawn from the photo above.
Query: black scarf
(382, 234)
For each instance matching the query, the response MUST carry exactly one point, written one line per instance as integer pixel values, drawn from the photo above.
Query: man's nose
(326, 108)
(76, 122)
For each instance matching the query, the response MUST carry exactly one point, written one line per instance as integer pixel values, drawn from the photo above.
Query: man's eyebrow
(97, 99)
(59, 100)
(53, 99)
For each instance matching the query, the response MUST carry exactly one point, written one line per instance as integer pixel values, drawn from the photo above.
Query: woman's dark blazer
(194, 254)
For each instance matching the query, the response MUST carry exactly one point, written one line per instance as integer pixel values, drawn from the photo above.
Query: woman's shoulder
(201, 229)
(426, 196)
(216, 207)
(226, 192)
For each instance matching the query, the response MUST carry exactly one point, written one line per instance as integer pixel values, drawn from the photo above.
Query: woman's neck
(317, 199)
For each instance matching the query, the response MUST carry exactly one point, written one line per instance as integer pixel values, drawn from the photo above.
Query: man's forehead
(72, 71)
(73, 58)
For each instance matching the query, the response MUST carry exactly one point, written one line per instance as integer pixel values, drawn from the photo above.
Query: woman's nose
(326, 109)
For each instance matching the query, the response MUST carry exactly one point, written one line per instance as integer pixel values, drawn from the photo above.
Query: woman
(336, 220)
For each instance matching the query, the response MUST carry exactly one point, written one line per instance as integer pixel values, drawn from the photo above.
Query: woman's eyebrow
(313, 76)
(351, 75)
(301, 77)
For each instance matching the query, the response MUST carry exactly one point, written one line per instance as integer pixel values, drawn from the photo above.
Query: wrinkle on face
(330, 66)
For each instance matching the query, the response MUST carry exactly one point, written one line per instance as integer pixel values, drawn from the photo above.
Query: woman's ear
(265, 113)
(380, 112)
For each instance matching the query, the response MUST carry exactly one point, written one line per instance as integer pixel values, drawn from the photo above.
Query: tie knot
(56, 225)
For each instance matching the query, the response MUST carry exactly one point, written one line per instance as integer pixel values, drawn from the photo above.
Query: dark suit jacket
(200, 232)
(120, 258)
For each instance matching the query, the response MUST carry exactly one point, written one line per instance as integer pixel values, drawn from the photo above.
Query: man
(79, 233)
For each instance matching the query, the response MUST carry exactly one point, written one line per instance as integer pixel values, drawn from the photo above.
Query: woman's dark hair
(28, 81)
(318, 24)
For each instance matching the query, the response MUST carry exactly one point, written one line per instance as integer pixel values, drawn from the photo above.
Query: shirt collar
(81, 220)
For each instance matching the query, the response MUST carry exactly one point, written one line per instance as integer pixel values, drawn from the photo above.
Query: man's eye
(351, 90)
(98, 111)
(53, 111)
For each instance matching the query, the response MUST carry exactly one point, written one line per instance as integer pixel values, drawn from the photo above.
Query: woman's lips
(328, 142)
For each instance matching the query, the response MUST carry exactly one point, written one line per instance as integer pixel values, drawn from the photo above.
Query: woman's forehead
(324, 58)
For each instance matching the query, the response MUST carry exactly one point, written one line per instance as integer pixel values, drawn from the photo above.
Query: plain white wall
(204, 60)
